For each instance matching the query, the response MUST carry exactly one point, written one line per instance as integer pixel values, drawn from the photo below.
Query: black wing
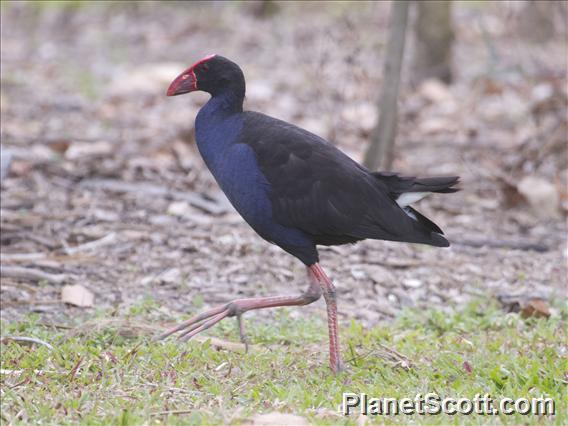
(317, 188)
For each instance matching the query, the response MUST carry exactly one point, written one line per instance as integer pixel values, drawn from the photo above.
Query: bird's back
(318, 189)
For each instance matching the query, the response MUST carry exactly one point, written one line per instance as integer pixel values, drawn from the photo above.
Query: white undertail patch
(410, 197)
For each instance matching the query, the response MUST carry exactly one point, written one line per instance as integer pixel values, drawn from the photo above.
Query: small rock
(412, 283)
(404, 298)
(358, 274)
(179, 208)
(171, 276)
(542, 92)
(240, 279)
(226, 239)
(435, 91)
(79, 150)
(541, 195)
(147, 280)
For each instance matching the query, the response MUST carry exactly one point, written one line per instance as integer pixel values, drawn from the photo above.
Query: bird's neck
(218, 125)
(220, 108)
(225, 103)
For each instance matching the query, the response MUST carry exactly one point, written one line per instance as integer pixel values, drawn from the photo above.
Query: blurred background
(103, 188)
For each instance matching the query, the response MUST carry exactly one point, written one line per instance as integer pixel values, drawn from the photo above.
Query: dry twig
(155, 190)
(91, 245)
(21, 273)
(22, 257)
(134, 329)
(27, 340)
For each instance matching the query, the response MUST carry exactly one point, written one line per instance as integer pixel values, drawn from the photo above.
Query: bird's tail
(406, 190)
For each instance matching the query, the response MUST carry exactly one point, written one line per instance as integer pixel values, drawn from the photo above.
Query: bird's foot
(204, 321)
(209, 318)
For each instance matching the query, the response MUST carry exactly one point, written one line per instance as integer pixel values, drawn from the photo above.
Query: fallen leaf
(526, 305)
(77, 295)
(467, 367)
(492, 87)
(537, 308)
(59, 145)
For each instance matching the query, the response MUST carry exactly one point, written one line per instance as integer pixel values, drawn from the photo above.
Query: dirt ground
(106, 188)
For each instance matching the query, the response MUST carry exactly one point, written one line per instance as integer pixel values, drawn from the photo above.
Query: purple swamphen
(296, 190)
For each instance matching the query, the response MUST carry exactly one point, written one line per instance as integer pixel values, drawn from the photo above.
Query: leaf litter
(104, 185)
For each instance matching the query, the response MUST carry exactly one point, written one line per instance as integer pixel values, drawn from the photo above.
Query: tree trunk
(433, 39)
(380, 151)
(264, 8)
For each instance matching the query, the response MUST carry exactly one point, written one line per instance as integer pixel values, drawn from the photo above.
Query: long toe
(193, 323)
(209, 318)
(186, 335)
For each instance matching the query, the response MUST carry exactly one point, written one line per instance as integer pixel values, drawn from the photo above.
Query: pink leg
(237, 307)
(331, 301)
(319, 282)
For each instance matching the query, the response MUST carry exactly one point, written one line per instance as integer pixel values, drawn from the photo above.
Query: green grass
(109, 372)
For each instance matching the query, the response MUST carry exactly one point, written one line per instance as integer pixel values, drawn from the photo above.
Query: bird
(297, 191)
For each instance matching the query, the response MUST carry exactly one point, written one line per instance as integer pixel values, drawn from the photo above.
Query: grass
(109, 372)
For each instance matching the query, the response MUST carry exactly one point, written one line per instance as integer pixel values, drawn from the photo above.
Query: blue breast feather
(235, 168)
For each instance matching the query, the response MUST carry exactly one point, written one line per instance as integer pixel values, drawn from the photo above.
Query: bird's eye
(204, 67)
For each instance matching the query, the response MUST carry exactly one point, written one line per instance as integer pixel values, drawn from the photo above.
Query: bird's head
(213, 74)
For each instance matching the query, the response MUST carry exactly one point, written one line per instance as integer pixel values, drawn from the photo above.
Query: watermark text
(433, 404)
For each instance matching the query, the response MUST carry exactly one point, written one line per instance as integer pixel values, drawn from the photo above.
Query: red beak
(184, 83)
(187, 81)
